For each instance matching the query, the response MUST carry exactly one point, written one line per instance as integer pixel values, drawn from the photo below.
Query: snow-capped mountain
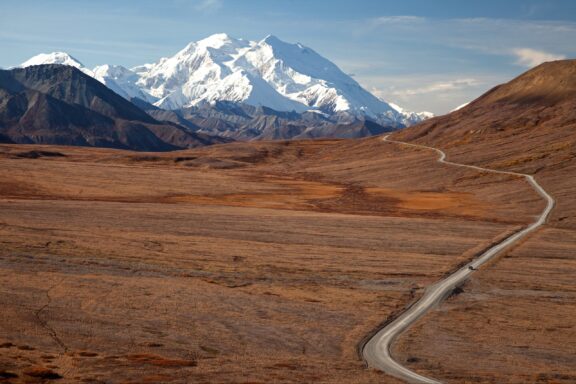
(459, 107)
(270, 72)
(61, 58)
(122, 81)
(411, 118)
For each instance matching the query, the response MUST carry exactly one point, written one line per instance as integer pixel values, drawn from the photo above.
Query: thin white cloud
(529, 58)
(436, 87)
(209, 5)
(397, 19)
(44, 39)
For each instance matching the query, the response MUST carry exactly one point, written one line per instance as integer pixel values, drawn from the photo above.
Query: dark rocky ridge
(54, 104)
(246, 122)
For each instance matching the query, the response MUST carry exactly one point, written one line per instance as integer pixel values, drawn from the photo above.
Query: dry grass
(123, 267)
(514, 323)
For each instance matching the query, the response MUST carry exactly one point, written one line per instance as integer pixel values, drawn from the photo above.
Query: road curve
(376, 352)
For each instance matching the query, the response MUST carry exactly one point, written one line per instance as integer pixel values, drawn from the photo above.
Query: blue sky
(421, 54)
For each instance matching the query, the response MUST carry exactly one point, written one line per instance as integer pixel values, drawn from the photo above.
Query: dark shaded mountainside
(246, 122)
(55, 104)
(527, 125)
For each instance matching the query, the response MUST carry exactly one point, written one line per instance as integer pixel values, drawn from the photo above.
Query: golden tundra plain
(245, 263)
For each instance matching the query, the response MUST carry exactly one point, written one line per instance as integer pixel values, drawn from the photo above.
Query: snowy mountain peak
(114, 71)
(219, 41)
(215, 41)
(401, 110)
(460, 107)
(121, 80)
(271, 39)
(411, 118)
(61, 58)
(283, 47)
(269, 72)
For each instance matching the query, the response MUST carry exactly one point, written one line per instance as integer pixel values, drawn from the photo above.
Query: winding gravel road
(376, 351)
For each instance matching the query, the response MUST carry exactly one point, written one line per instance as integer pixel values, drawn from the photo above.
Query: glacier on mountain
(269, 72)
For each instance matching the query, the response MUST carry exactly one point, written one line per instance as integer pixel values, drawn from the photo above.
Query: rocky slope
(59, 104)
(246, 122)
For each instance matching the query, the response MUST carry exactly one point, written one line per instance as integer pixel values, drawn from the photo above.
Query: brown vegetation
(514, 322)
(261, 262)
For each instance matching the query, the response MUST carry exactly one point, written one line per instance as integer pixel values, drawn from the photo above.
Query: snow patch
(60, 58)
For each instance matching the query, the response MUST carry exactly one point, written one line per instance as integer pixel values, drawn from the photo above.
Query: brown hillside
(527, 125)
(540, 101)
(514, 321)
